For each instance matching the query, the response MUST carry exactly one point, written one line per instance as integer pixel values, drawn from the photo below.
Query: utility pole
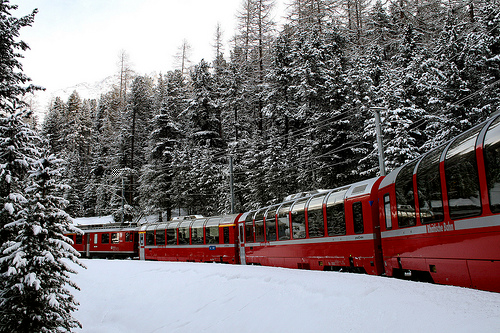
(231, 182)
(380, 145)
(123, 199)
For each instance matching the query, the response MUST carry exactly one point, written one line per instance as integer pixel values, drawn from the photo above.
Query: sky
(129, 296)
(75, 41)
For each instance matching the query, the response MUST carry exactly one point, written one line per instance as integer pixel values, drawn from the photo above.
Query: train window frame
(184, 232)
(491, 148)
(150, 235)
(430, 210)
(160, 234)
(249, 228)
(258, 223)
(172, 230)
(270, 223)
(456, 160)
(105, 238)
(283, 219)
(357, 217)
(405, 196)
(212, 233)
(335, 213)
(129, 236)
(298, 213)
(315, 216)
(387, 212)
(197, 232)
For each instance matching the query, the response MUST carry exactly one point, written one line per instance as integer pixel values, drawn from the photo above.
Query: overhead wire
(338, 116)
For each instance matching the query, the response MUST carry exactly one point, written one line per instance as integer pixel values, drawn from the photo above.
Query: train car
(79, 242)
(106, 241)
(439, 214)
(333, 230)
(205, 239)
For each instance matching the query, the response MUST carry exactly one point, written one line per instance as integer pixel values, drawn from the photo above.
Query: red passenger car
(333, 230)
(440, 213)
(106, 241)
(203, 239)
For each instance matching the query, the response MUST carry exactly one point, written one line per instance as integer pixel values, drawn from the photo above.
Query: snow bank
(137, 296)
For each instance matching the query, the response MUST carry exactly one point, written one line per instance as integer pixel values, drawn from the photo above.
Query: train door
(241, 240)
(87, 245)
(141, 246)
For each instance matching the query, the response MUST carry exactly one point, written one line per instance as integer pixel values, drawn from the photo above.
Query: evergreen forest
(289, 104)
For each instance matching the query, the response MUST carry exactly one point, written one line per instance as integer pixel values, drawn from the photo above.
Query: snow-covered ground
(137, 296)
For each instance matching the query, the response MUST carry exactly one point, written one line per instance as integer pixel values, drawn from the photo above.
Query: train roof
(360, 188)
(476, 132)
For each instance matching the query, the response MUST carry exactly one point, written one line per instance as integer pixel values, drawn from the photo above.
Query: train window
(184, 232)
(160, 236)
(249, 228)
(315, 220)
(171, 236)
(79, 239)
(212, 235)
(259, 225)
(299, 219)
(225, 234)
(150, 237)
(492, 164)
(271, 224)
(212, 230)
(387, 212)
(95, 238)
(284, 222)
(357, 217)
(184, 235)
(105, 238)
(129, 237)
(462, 180)
(335, 215)
(197, 235)
(430, 198)
(115, 237)
(405, 198)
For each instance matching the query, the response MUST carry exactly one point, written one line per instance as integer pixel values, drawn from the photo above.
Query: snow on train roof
(80, 221)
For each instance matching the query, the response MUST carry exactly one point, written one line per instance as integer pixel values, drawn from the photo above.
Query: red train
(435, 219)
(111, 240)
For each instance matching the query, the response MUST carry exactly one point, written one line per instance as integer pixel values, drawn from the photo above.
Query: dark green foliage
(292, 106)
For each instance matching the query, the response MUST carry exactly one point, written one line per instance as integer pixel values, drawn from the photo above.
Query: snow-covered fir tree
(156, 184)
(294, 109)
(33, 277)
(35, 295)
(202, 157)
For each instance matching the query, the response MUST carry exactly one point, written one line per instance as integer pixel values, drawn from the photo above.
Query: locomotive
(434, 219)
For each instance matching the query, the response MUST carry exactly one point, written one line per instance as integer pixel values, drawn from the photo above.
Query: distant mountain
(87, 90)
(40, 103)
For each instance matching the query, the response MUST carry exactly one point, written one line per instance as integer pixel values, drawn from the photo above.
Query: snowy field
(146, 297)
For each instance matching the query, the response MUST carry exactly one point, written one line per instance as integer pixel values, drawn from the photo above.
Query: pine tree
(53, 125)
(33, 278)
(205, 144)
(157, 188)
(18, 149)
(12, 80)
(137, 130)
(35, 284)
